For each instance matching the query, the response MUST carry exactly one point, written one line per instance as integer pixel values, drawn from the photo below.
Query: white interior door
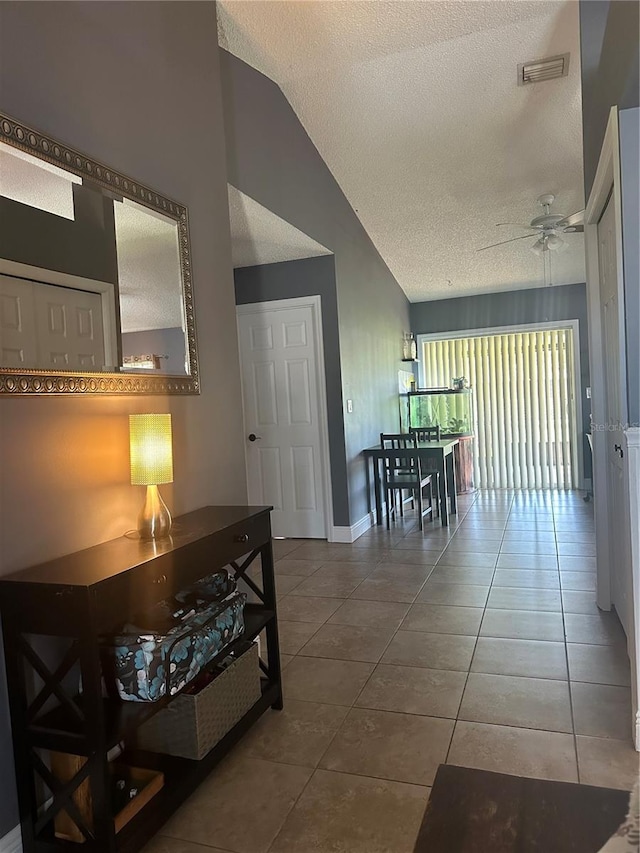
(44, 326)
(280, 383)
(18, 340)
(69, 324)
(619, 557)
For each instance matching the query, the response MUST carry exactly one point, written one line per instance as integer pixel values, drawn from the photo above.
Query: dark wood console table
(64, 606)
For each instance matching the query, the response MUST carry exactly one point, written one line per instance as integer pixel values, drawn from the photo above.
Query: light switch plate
(349, 406)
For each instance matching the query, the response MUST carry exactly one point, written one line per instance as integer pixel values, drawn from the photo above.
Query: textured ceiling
(148, 269)
(258, 236)
(415, 109)
(36, 183)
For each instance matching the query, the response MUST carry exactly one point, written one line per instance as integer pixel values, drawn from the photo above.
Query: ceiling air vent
(543, 69)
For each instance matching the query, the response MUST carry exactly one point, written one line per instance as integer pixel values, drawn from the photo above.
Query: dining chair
(405, 473)
(431, 433)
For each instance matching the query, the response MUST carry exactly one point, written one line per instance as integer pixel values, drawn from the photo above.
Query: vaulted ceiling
(258, 236)
(415, 109)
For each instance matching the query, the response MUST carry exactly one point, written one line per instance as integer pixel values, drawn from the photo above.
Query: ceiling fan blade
(513, 239)
(573, 223)
(576, 218)
(519, 225)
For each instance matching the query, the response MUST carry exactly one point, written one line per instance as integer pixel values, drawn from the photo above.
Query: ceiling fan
(548, 228)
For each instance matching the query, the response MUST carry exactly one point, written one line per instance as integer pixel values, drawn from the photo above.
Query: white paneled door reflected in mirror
(95, 276)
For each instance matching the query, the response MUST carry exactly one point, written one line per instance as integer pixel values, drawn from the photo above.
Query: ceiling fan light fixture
(539, 246)
(555, 242)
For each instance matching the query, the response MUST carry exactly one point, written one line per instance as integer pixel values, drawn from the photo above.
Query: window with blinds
(523, 402)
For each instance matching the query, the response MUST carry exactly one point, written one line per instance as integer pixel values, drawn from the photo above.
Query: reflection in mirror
(94, 276)
(151, 313)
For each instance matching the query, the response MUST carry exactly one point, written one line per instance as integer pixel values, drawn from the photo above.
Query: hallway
(480, 646)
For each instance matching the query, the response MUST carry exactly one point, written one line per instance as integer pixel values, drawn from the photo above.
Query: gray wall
(310, 277)
(514, 308)
(272, 159)
(8, 798)
(629, 159)
(85, 246)
(609, 59)
(136, 85)
(169, 344)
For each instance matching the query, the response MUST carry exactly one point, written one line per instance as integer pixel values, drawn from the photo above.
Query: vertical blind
(523, 402)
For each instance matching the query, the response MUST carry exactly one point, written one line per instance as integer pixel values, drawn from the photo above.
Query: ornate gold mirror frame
(21, 381)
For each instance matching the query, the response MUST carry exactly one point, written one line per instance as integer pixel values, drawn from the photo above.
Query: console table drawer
(164, 575)
(245, 537)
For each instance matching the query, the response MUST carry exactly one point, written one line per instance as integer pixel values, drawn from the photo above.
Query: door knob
(254, 437)
(618, 449)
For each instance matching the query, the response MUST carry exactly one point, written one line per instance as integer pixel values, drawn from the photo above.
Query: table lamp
(151, 465)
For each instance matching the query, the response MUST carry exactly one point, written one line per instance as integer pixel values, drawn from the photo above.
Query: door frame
(315, 304)
(607, 186)
(574, 325)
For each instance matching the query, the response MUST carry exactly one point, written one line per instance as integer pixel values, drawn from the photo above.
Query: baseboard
(350, 534)
(12, 841)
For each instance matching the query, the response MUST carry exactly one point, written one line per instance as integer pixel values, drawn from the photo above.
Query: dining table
(434, 456)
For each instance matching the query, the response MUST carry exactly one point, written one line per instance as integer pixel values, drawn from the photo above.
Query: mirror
(95, 276)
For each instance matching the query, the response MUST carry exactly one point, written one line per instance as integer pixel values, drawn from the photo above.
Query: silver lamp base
(154, 521)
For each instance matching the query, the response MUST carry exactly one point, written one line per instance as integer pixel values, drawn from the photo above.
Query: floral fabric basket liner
(148, 664)
(212, 587)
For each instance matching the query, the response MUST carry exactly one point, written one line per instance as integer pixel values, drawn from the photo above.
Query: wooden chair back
(431, 433)
(403, 464)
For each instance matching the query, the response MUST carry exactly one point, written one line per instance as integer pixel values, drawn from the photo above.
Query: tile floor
(480, 645)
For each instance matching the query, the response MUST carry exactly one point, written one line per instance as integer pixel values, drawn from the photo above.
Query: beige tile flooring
(480, 646)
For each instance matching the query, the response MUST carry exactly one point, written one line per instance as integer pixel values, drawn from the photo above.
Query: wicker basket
(192, 724)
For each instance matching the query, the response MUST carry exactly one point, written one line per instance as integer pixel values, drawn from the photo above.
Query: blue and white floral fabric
(147, 664)
(210, 588)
